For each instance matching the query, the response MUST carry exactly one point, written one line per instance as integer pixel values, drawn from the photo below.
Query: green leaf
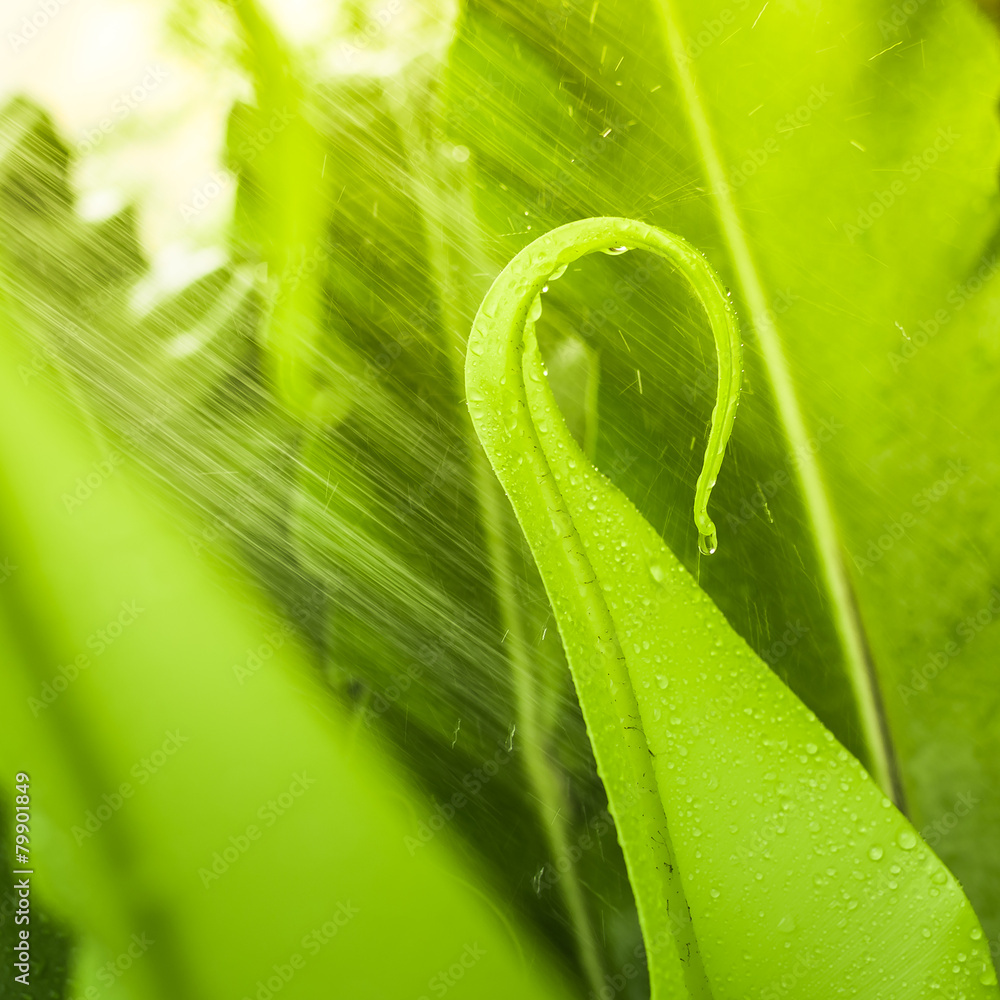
(202, 813)
(762, 141)
(695, 737)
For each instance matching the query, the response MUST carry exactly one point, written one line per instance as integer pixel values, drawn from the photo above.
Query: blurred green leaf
(200, 810)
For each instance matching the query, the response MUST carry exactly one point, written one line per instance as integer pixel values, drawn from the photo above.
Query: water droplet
(558, 273)
(907, 840)
(786, 924)
(811, 748)
(875, 852)
(615, 251)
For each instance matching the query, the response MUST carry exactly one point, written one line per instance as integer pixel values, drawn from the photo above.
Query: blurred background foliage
(245, 258)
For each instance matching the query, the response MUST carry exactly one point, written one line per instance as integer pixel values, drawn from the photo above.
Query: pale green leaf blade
(196, 794)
